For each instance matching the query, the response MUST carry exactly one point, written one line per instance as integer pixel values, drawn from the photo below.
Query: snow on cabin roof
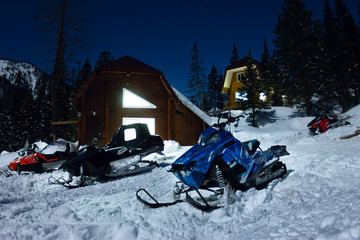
(206, 118)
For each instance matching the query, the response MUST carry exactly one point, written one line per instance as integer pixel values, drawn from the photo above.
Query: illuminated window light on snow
(149, 121)
(262, 96)
(241, 96)
(131, 100)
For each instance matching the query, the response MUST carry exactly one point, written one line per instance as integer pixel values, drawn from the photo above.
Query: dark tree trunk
(58, 72)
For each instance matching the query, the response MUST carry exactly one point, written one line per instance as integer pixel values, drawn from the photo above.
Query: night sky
(158, 33)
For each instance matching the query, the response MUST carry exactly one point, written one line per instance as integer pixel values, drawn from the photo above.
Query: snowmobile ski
(72, 182)
(204, 204)
(69, 183)
(155, 203)
(5, 171)
(192, 195)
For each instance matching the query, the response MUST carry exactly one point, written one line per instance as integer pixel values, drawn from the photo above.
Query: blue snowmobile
(219, 163)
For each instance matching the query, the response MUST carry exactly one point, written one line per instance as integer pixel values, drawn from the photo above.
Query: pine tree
(271, 83)
(20, 113)
(197, 83)
(349, 55)
(61, 21)
(266, 79)
(42, 104)
(83, 74)
(329, 75)
(105, 57)
(214, 88)
(66, 111)
(252, 90)
(235, 55)
(296, 48)
(221, 96)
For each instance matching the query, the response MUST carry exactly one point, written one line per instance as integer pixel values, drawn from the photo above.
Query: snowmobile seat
(57, 155)
(251, 146)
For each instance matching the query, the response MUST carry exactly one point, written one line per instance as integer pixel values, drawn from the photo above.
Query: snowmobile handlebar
(229, 120)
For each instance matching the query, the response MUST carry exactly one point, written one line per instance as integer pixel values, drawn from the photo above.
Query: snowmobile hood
(210, 142)
(193, 165)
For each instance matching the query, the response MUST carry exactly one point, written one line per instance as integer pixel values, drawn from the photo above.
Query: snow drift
(318, 199)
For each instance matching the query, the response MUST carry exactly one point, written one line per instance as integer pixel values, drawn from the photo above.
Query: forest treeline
(314, 63)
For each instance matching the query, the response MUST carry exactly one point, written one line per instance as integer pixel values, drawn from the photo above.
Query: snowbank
(318, 200)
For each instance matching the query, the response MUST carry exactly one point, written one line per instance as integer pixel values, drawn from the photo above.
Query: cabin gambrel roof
(100, 101)
(131, 65)
(235, 67)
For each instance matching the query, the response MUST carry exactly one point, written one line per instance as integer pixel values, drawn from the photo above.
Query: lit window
(241, 77)
(262, 96)
(241, 96)
(149, 121)
(131, 100)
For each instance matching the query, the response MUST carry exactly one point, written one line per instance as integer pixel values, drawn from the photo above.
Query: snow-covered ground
(318, 200)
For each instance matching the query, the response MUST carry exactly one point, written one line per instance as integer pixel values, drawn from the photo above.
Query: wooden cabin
(233, 81)
(126, 91)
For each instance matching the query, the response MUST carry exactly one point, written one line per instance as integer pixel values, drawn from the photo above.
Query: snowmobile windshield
(208, 137)
(317, 120)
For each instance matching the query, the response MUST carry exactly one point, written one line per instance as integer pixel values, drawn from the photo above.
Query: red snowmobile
(322, 123)
(47, 160)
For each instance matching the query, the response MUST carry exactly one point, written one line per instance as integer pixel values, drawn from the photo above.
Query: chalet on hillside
(126, 91)
(233, 81)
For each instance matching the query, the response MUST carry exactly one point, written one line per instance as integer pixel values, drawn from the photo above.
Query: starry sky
(159, 33)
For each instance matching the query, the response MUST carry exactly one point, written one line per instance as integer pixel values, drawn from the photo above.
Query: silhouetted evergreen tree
(296, 48)
(214, 89)
(105, 57)
(266, 78)
(271, 81)
(66, 111)
(196, 86)
(62, 21)
(329, 74)
(251, 89)
(83, 74)
(235, 55)
(42, 104)
(4, 132)
(348, 55)
(19, 115)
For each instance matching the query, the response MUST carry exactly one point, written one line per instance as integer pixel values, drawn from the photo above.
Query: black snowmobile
(120, 157)
(218, 165)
